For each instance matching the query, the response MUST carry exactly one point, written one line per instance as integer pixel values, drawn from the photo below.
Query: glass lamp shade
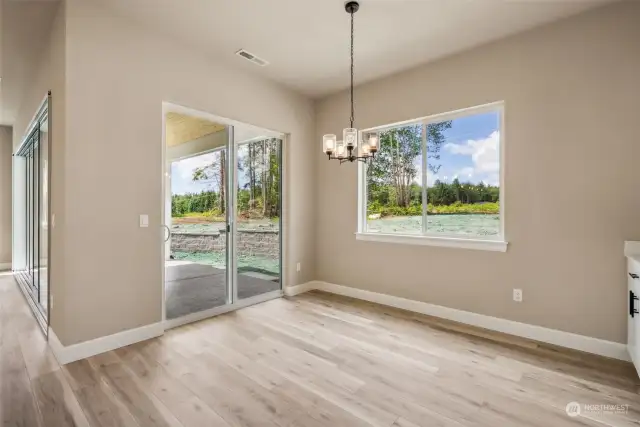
(350, 137)
(372, 140)
(364, 148)
(341, 151)
(329, 143)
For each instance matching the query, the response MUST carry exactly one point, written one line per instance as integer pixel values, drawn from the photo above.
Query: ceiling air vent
(251, 57)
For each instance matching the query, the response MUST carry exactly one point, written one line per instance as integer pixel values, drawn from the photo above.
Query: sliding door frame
(234, 303)
(28, 275)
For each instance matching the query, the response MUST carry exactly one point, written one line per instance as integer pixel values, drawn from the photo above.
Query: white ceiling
(307, 41)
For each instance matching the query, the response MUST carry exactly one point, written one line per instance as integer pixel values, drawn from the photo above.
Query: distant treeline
(181, 204)
(454, 197)
(208, 204)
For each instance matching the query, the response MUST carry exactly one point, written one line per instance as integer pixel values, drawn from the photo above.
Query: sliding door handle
(168, 233)
(632, 304)
(633, 275)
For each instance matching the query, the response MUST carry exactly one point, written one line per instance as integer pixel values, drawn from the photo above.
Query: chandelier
(347, 149)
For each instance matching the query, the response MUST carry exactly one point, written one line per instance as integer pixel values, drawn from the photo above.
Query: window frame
(490, 243)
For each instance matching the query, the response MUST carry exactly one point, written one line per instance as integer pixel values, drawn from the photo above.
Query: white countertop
(632, 250)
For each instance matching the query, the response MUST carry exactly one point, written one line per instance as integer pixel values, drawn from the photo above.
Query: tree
(435, 140)
(457, 189)
(395, 162)
(259, 162)
(215, 174)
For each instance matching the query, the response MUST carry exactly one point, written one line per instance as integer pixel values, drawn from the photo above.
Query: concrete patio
(191, 287)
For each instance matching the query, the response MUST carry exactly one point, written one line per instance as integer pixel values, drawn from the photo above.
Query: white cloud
(186, 166)
(465, 173)
(484, 154)
(182, 174)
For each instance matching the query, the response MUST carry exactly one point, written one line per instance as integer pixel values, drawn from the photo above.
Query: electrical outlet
(298, 268)
(517, 295)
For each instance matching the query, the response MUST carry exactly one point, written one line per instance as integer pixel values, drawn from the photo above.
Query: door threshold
(212, 312)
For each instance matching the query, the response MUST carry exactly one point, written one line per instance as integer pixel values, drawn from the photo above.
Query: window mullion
(424, 178)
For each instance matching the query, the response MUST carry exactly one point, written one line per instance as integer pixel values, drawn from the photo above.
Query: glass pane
(394, 182)
(35, 217)
(30, 216)
(32, 241)
(26, 204)
(464, 176)
(196, 273)
(43, 181)
(258, 218)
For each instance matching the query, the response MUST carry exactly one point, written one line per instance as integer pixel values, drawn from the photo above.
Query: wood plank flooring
(316, 360)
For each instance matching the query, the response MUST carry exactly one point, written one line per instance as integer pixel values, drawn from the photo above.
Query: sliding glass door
(223, 212)
(31, 211)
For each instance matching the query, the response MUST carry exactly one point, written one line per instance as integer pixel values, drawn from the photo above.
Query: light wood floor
(310, 361)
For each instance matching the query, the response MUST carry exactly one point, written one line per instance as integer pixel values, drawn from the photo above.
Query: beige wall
(118, 75)
(572, 106)
(6, 149)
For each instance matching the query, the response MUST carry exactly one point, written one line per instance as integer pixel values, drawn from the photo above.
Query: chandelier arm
(353, 158)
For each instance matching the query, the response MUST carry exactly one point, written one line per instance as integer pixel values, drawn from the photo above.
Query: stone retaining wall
(262, 243)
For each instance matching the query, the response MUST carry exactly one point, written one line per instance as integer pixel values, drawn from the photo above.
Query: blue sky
(471, 152)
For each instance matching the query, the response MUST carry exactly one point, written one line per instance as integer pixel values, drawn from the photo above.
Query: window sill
(446, 242)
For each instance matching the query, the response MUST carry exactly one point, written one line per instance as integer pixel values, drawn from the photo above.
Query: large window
(437, 181)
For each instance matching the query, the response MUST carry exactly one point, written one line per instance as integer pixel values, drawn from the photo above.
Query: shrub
(415, 209)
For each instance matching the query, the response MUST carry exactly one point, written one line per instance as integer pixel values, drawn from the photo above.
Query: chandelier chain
(352, 109)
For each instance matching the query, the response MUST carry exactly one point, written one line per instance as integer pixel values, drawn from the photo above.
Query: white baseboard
(67, 354)
(292, 291)
(5, 266)
(551, 336)
(636, 363)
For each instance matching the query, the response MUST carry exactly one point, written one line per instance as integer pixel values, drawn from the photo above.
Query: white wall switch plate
(298, 268)
(517, 295)
(144, 220)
